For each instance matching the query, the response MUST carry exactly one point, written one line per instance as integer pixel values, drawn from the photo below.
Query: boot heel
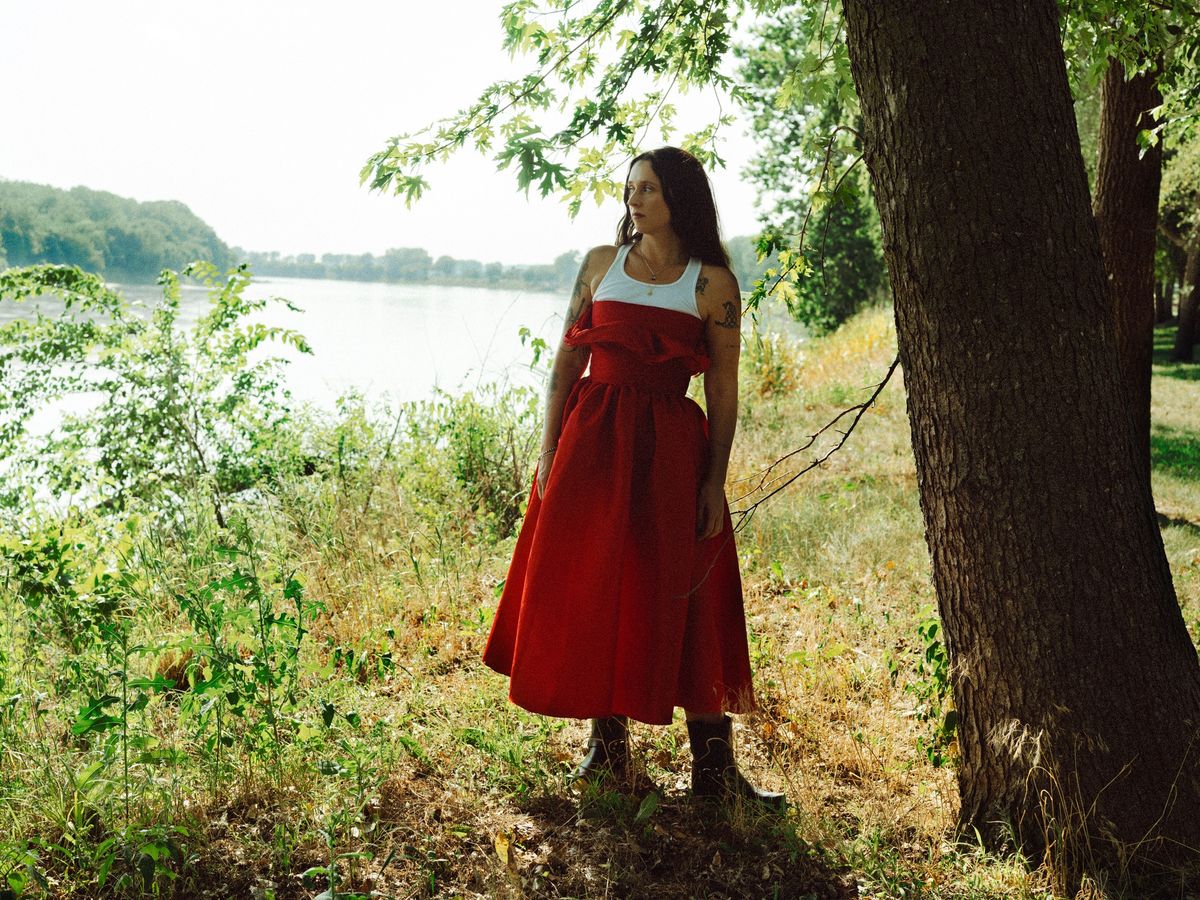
(608, 752)
(715, 775)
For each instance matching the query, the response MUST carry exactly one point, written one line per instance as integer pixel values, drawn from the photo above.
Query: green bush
(484, 441)
(167, 409)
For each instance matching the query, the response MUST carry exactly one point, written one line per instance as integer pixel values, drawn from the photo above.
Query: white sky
(259, 115)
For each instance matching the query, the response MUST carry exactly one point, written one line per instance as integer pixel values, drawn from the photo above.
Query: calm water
(394, 340)
(391, 340)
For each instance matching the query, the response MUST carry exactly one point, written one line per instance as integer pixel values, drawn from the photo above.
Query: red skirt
(611, 606)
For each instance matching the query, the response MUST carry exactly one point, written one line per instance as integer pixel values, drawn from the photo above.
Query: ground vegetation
(292, 703)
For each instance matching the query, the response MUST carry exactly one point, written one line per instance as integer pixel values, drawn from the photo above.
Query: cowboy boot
(608, 752)
(714, 773)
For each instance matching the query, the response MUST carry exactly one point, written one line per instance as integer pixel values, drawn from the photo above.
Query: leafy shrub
(167, 409)
(933, 691)
(485, 441)
(52, 571)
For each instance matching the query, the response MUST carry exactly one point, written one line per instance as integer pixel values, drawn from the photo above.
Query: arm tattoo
(701, 284)
(731, 315)
(575, 309)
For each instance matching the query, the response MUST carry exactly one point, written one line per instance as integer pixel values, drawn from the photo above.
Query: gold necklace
(646, 263)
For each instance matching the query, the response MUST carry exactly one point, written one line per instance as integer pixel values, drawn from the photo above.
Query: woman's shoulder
(715, 285)
(601, 256)
(596, 262)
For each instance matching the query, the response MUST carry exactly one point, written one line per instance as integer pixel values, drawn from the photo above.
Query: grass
(404, 771)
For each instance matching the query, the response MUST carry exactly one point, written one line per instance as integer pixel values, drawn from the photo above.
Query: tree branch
(1171, 235)
(774, 485)
(461, 134)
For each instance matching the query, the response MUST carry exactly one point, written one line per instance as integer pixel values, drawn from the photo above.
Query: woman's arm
(720, 303)
(569, 362)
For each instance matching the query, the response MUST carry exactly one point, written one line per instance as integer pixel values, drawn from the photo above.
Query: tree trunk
(1162, 302)
(1163, 294)
(1076, 682)
(1126, 208)
(1189, 300)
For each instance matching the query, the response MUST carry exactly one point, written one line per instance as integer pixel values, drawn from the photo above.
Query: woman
(623, 599)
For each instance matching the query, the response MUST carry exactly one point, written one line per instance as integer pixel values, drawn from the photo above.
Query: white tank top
(679, 295)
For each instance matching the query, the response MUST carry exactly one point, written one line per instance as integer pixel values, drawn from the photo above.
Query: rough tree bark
(1076, 682)
(1126, 209)
(1189, 305)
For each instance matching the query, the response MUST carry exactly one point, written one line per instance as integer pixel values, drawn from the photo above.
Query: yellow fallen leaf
(502, 843)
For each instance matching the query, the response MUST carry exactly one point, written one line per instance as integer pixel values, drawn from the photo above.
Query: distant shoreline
(503, 284)
(510, 284)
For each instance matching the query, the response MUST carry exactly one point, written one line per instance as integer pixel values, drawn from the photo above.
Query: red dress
(611, 605)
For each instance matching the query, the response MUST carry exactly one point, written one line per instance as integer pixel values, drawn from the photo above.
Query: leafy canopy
(1140, 36)
(604, 73)
(569, 124)
(815, 198)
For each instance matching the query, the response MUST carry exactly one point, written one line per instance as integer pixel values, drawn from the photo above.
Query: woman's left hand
(710, 509)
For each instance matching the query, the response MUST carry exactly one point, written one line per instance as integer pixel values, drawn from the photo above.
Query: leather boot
(608, 752)
(714, 773)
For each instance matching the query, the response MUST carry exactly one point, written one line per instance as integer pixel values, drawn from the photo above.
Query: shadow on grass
(1165, 521)
(1175, 452)
(612, 845)
(1164, 343)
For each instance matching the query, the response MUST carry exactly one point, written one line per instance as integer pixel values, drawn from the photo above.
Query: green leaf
(331, 767)
(93, 718)
(647, 808)
(146, 868)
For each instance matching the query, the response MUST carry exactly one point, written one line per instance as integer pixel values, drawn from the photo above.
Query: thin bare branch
(773, 486)
(744, 515)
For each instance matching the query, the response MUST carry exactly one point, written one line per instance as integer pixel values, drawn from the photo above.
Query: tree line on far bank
(414, 265)
(117, 237)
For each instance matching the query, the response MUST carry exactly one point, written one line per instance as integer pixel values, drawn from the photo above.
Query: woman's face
(644, 197)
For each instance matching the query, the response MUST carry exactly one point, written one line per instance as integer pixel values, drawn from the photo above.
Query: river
(393, 341)
(396, 340)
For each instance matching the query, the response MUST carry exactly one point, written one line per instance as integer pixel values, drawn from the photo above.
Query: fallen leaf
(502, 843)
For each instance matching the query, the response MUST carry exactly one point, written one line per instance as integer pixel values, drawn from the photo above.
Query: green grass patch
(1176, 452)
(1164, 366)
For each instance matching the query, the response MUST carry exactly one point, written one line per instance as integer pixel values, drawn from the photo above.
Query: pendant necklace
(653, 274)
(646, 263)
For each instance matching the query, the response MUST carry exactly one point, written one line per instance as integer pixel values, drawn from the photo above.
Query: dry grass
(461, 794)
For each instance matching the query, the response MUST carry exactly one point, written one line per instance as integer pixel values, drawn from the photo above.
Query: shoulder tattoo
(701, 284)
(731, 319)
(575, 309)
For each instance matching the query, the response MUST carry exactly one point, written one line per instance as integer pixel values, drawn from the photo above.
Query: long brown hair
(689, 197)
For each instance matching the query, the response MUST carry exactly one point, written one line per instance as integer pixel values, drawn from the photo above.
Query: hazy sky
(259, 115)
